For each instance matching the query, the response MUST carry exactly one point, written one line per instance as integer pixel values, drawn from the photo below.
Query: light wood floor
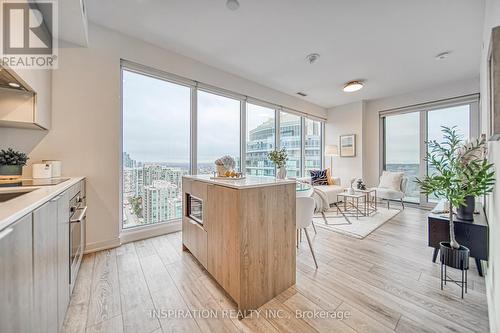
(387, 282)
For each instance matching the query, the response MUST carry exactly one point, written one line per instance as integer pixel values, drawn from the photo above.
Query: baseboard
(137, 234)
(104, 245)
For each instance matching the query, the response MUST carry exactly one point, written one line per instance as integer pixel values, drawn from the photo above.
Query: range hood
(9, 80)
(18, 101)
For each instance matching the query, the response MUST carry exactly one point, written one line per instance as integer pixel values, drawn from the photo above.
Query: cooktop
(32, 182)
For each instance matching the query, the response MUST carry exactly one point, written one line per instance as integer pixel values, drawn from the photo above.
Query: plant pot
(281, 173)
(11, 171)
(467, 212)
(455, 258)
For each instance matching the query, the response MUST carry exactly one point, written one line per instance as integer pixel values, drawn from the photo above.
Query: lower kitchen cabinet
(45, 258)
(16, 277)
(35, 267)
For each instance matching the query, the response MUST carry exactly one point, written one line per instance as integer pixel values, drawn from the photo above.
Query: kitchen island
(243, 233)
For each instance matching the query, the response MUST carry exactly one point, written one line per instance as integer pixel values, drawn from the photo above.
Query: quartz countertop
(248, 182)
(14, 209)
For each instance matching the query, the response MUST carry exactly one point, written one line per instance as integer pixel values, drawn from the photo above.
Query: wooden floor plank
(136, 301)
(105, 300)
(77, 314)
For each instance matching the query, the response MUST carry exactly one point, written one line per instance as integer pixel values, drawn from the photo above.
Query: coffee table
(370, 200)
(359, 203)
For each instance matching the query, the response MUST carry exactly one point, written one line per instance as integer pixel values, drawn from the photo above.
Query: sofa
(331, 191)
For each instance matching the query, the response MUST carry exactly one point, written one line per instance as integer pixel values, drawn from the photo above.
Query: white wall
(492, 19)
(346, 119)
(86, 118)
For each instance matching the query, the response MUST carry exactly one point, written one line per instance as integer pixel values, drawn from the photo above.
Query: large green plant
(461, 170)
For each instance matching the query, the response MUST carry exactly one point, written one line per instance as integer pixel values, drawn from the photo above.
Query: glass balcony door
(402, 149)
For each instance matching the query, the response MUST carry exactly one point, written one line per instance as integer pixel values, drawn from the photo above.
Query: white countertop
(14, 209)
(248, 182)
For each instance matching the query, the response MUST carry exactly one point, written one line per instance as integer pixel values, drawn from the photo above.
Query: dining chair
(304, 216)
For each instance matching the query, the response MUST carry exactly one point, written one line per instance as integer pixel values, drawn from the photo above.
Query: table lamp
(331, 150)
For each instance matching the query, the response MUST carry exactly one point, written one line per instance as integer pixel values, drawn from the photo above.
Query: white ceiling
(389, 43)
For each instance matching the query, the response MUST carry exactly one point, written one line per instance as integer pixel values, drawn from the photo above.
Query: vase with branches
(279, 158)
(461, 170)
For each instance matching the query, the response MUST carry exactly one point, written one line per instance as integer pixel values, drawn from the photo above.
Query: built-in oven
(77, 224)
(195, 208)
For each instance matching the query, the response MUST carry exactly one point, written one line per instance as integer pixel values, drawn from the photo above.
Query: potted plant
(279, 158)
(11, 163)
(461, 171)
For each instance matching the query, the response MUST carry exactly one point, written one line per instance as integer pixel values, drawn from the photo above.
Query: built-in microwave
(195, 208)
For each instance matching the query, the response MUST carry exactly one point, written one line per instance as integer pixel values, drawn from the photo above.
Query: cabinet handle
(81, 216)
(5, 232)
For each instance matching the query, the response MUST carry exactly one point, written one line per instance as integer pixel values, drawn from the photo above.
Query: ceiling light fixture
(353, 86)
(443, 55)
(232, 4)
(312, 58)
(14, 85)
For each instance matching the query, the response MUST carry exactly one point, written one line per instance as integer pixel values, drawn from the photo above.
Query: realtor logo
(29, 34)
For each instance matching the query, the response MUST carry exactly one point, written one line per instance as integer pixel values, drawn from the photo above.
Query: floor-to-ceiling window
(291, 140)
(407, 131)
(313, 145)
(261, 137)
(174, 126)
(402, 149)
(156, 150)
(218, 130)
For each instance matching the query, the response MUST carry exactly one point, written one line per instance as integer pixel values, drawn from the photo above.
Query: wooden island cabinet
(243, 233)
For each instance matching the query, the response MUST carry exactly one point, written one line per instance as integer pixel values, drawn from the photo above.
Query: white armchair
(392, 186)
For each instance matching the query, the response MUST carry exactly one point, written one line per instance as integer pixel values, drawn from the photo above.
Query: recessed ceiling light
(443, 55)
(232, 4)
(14, 85)
(353, 86)
(312, 58)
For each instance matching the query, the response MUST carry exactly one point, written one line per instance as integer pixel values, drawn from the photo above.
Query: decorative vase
(281, 173)
(466, 212)
(455, 258)
(350, 191)
(221, 170)
(11, 171)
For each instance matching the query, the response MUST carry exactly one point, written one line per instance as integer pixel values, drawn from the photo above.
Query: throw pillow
(319, 177)
(391, 180)
(329, 177)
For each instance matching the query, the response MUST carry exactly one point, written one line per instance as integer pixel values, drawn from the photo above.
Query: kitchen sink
(11, 195)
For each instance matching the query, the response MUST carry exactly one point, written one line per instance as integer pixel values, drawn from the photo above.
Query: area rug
(349, 225)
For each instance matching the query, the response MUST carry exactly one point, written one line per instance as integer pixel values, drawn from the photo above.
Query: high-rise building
(159, 202)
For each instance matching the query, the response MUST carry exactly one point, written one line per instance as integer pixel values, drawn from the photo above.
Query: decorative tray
(227, 178)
